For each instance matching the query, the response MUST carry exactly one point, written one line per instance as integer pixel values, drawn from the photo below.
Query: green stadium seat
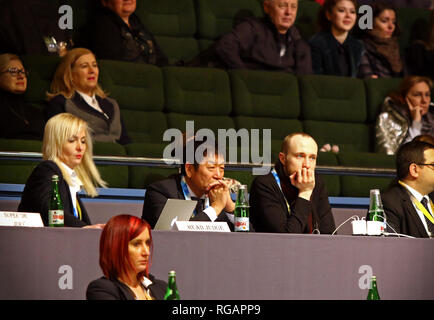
(138, 89)
(266, 100)
(376, 91)
(115, 175)
(17, 171)
(413, 23)
(199, 94)
(334, 111)
(140, 176)
(332, 181)
(173, 24)
(358, 186)
(215, 18)
(41, 70)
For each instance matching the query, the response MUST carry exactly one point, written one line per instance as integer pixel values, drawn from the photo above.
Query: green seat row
(334, 110)
(183, 28)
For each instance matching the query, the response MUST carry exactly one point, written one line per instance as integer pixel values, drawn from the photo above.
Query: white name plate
(201, 226)
(20, 219)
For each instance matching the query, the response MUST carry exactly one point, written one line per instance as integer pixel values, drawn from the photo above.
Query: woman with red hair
(125, 253)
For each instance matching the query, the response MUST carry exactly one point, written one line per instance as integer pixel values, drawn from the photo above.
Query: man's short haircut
(425, 138)
(206, 145)
(408, 153)
(285, 144)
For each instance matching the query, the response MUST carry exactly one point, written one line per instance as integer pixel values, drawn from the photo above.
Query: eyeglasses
(14, 72)
(430, 165)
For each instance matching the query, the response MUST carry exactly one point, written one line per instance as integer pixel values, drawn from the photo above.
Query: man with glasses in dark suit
(201, 179)
(407, 204)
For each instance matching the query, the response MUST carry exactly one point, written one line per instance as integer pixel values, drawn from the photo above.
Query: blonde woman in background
(67, 153)
(75, 89)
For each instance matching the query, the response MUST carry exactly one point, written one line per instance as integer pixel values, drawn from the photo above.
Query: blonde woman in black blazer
(67, 152)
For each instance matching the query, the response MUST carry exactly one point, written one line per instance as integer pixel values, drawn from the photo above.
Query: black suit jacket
(36, 195)
(325, 57)
(401, 214)
(106, 289)
(269, 212)
(156, 197)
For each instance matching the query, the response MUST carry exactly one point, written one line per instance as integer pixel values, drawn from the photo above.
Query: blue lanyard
(187, 195)
(276, 177)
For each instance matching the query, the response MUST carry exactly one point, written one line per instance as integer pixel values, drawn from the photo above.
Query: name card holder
(203, 226)
(20, 219)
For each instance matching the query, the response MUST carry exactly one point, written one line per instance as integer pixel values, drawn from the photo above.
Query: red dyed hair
(114, 258)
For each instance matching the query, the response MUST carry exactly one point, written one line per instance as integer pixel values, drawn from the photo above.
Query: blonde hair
(62, 79)
(6, 58)
(57, 131)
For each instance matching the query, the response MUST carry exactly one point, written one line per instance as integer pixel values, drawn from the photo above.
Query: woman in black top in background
(18, 120)
(334, 50)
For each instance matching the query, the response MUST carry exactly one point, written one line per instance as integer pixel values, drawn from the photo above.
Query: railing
(169, 163)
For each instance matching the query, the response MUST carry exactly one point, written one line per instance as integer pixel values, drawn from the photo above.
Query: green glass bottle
(376, 217)
(172, 291)
(373, 291)
(241, 214)
(55, 207)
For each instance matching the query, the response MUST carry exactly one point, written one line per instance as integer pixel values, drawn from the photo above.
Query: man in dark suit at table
(292, 198)
(407, 203)
(201, 180)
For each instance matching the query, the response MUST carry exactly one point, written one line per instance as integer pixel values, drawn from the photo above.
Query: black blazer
(156, 197)
(58, 105)
(325, 55)
(36, 195)
(269, 212)
(106, 289)
(401, 214)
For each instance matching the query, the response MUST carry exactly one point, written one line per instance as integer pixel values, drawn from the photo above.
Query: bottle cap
(55, 177)
(375, 191)
(172, 272)
(374, 277)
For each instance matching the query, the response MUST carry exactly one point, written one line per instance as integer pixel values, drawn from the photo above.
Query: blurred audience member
(118, 34)
(75, 89)
(334, 50)
(269, 43)
(405, 114)
(125, 253)
(17, 119)
(420, 56)
(32, 27)
(383, 58)
(67, 153)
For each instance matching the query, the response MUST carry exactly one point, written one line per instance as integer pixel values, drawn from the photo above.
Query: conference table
(58, 263)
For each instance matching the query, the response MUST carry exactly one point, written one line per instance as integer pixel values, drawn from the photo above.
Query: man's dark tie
(200, 206)
(428, 222)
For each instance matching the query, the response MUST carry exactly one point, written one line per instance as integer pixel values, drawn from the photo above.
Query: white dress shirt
(75, 185)
(419, 197)
(91, 100)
